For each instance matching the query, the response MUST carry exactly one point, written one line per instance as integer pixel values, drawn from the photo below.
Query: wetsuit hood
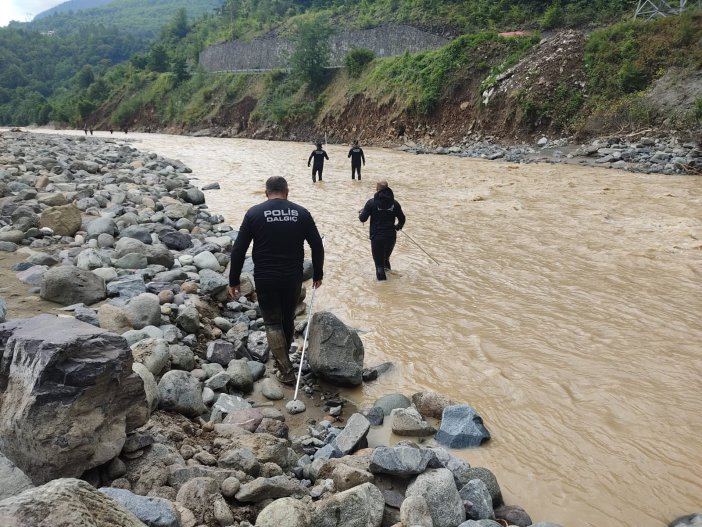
(384, 198)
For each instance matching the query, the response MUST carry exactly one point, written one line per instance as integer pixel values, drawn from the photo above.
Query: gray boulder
(180, 392)
(400, 460)
(212, 283)
(461, 427)
(513, 515)
(144, 310)
(360, 506)
(391, 401)
(414, 512)
(126, 286)
(257, 346)
(199, 495)
(477, 493)
(467, 474)
(66, 284)
(270, 488)
(353, 435)
(285, 511)
(335, 351)
(62, 410)
(152, 353)
(188, 319)
(101, 226)
(223, 352)
(154, 512)
(175, 240)
(14, 481)
(439, 490)
(240, 375)
(65, 503)
(408, 422)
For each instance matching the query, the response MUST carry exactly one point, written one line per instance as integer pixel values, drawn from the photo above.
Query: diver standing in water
(319, 155)
(382, 209)
(356, 155)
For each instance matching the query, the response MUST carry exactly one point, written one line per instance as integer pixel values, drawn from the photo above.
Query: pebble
(295, 407)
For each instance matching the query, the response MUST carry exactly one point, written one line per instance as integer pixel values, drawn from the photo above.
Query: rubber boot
(387, 265)
(380, 273)
(279, 349)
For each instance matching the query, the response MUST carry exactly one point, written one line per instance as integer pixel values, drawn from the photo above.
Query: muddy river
(565, 307)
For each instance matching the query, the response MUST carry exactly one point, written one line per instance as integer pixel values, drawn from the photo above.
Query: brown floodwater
(565, 307)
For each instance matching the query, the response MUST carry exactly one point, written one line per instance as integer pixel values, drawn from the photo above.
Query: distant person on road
(383, 210)
(356, 155)
(319, 155)
(278, 228)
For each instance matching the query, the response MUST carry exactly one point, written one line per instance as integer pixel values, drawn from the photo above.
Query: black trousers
(277, 300)
(354, 169)
(381, 247)
(316, 170)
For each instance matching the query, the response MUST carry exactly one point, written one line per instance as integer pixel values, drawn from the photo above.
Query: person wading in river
(382, 210)
(356, 155)
(278, 228)
(319, 155)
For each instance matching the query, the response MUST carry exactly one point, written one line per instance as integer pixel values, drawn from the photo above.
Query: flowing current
(566, 307)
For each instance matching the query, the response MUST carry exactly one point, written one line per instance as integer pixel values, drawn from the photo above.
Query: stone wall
(273, 53)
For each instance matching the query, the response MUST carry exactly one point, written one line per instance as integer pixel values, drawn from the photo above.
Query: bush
(553, 16)
(357, 59)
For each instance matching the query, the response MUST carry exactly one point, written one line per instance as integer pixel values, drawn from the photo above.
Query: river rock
(439, 490)
(90, 259)
(400, 460)
(391, 401)
(357, 507)
(14, 481)
(113, 318)
(182, 357)
(3, 310)
(127, 286)
(137, 232)
(50, 381)
(461, 427)
(689, 520)
(257, 346)
(414, 511)
(297, 407)
(271, 389)
(206, 260)
(175, 240)
(101, 226)
(8, 247)
(199, 495)
(66, 284)
(150, 386)
(12, 236)
(152, 353)
(180, 392)
(223, 352)
(131, 261)
(353, 435)
(335, 351)
(64, 220)
(270, 488)
(241, 378)
(188, 320)
(431, 404)
(144, 310)
(33, 275)
(212, 283)
(154, 512)
(65, 503)
(513, 515)
(240, 459)
(408, 422)
(285, 511)
(465, 475)
(477, 493)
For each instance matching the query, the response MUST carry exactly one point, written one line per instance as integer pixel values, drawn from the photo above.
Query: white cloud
(24, 10)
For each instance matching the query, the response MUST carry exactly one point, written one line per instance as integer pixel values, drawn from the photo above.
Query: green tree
(179, 67)
(311, 54)
(356, 60)
(178, 26)
(158, 58)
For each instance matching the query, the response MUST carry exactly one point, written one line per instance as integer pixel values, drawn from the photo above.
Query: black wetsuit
(356, 155)
(319, 156)
(278, 228)
(382, 210)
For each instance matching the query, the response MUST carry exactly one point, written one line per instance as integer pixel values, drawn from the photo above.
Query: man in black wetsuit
(278, 228)
(382, 210)
(356, 155)
(319, 156)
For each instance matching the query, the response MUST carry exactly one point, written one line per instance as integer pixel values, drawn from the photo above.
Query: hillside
(137, 17)
(631, 76)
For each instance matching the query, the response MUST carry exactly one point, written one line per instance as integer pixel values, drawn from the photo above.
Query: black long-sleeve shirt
(382, 210)
(319, 156)
(356, 155)
(278, 228)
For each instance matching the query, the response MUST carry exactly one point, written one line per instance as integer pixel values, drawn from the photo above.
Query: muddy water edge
(565, 307)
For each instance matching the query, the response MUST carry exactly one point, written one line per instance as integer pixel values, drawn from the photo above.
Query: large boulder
(401, 460)
(64, 220)
(335, 351)
(144, 310)
(154, 512)
(66, 284)
(439, 490)
(361, 506)
(68, 396)
(461, 427)
(285, 511)
(180, 392)
(65, 503)
(353, 435)
(14, 481)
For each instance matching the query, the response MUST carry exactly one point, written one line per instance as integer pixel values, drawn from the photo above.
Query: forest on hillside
(158, 84)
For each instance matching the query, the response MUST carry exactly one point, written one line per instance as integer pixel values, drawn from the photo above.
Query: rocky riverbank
(155, 388)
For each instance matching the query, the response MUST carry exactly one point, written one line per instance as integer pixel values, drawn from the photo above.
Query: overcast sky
(23, 10)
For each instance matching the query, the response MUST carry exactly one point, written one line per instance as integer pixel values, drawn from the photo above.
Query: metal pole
(304, 345)
(420, 247)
